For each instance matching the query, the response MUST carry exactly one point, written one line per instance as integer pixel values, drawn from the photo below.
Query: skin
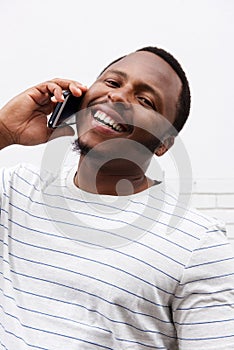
(23, 120)
(143, 85)
(156, 88)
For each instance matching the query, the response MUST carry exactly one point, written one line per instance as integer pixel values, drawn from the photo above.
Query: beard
(81, 147)
(84, 148)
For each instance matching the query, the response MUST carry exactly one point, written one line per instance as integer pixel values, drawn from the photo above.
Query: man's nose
(120, 95)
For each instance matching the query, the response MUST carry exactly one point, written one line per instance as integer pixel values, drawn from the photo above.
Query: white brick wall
(216, 198)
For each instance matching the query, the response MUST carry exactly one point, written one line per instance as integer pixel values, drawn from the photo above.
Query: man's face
(126, 102)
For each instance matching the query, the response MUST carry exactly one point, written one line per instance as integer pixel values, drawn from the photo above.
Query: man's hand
(23, 120)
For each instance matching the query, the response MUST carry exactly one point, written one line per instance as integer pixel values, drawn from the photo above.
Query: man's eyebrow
(141, 85)
(118, 72)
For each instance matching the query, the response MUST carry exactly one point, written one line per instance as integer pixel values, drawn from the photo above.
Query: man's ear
(164, 146)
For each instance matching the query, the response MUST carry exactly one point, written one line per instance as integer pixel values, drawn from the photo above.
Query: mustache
(119, 107)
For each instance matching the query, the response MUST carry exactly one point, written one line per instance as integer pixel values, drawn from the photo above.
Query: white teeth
(111, 122)
(117, 127)
(105, 119)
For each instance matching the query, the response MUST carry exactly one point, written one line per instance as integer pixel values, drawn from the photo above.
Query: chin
(81, 147)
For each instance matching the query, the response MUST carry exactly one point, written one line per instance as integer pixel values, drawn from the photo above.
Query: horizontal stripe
(51, 333)
(169, 213)
(78, 289)
(43, 269)
(207, 293)
(205, 322)
(212, 246)
(221, 337)
(213, 262)
(20, 338)
(109, 207)
(91, 228)
(104, 218)
(52, 315)
(198, 214)
(205, 307)
(86, 259)
(208, 278)
(91, 310)
(139, 343)
(112, 207)
(102, 263)
(3, 345)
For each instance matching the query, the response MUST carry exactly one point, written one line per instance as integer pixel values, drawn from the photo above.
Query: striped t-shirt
(83, 271)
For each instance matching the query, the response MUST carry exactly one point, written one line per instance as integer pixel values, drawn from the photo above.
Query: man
(86, 261)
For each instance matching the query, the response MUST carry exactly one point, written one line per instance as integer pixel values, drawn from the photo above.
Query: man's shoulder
(182, 218)
(25, 174)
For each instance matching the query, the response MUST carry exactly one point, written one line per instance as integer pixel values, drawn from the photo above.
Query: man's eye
(111, 82)
(146, 101)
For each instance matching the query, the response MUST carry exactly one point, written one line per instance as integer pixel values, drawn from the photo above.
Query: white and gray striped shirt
(82, 271)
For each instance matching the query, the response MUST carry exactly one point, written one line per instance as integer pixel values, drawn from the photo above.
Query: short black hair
(184, 101)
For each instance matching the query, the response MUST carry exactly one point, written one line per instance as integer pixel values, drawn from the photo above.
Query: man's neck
(117, 177)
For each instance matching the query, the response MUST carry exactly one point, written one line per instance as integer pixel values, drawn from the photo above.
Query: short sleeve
(3, 180)
(203, 309)
(5, 176)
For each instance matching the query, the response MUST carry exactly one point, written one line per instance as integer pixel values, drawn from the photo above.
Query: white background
(43, 39)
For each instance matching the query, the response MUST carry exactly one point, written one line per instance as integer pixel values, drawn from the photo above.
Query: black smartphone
(64, 109)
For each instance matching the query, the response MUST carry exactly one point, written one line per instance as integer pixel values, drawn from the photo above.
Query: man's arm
(203, 309)
(23, 120)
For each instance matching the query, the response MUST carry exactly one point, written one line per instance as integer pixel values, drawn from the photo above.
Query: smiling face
(126, 102)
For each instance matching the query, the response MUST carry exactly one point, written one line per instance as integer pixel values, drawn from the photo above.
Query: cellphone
(64, 109)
